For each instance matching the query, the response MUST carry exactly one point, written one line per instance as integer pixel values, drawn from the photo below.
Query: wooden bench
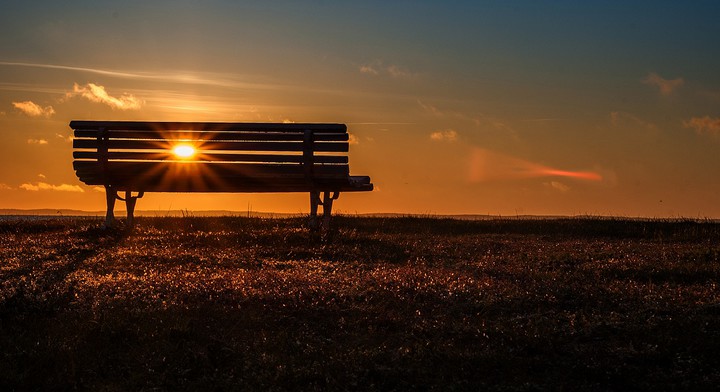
(139, 157)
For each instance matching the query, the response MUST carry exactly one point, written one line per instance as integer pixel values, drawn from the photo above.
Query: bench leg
(327, 203)
(314, 202)
(130, 205)
(110, 196)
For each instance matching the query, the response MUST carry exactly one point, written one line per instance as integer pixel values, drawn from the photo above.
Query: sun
(184, 151)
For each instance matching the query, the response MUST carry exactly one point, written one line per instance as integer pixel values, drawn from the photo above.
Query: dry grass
(389, 304)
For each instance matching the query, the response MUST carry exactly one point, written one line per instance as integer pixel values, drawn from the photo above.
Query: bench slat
(229, 157)
(240, 145)
(270, 186)
(211, 126)
(199, 135)
(203, 170)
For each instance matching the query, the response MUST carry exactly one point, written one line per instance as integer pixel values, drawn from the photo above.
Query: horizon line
(66, 213)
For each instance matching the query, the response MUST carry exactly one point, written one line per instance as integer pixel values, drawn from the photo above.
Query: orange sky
(562, 109)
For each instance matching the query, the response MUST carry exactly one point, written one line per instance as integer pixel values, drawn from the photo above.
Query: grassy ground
(388, 304)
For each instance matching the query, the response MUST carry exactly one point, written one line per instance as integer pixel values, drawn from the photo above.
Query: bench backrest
(254, 157)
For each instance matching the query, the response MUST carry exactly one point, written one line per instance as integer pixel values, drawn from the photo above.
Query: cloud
(486, 165)
(430, 108)
(479, 120)
(704, 125)
(559, 186)
(398, 72)
(97, 93)
(178, 96)
(666, 86)
(448, 135)
(30, 108)
(66, 139)
(64, 67)
(5, 187)
(37, 141)
(43, 186)
(378, 67)
(42, 176)
(352, 139)
(368, 69)
(229, 80)
(618, 119)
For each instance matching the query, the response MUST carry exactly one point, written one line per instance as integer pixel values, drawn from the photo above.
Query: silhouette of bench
(138, 157)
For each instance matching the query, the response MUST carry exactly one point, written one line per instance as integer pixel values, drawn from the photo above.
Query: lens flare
(184, 151)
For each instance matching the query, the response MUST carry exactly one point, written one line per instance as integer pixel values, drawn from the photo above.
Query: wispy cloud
(175, 96)
(97, 93)
(666, 86)
(448, 135)
(379, 67)
(369, 69)
(30, 108)
(704, 125)
(621, 119)
(430, 108)
(477, 120)
(352, 139)
(200, 78)
(5, 187)
(558, 186)
(43, 186)
(398, 72)
(37, 141)
(31, 88)
(66, 139)
(70, 68)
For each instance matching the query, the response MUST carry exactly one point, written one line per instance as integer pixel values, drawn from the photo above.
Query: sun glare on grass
(184, 151)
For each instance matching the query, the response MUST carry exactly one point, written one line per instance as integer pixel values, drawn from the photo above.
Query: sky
(454, 107)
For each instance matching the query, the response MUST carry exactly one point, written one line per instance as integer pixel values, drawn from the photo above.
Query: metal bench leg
(314, 202)
(130, 205)
(130, 201)
(110, 196)
(327, 203)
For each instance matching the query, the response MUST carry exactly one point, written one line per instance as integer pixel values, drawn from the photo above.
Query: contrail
(227, 81)
(79, 69)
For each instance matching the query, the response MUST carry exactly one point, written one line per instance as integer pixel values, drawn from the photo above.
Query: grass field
(387, 304)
